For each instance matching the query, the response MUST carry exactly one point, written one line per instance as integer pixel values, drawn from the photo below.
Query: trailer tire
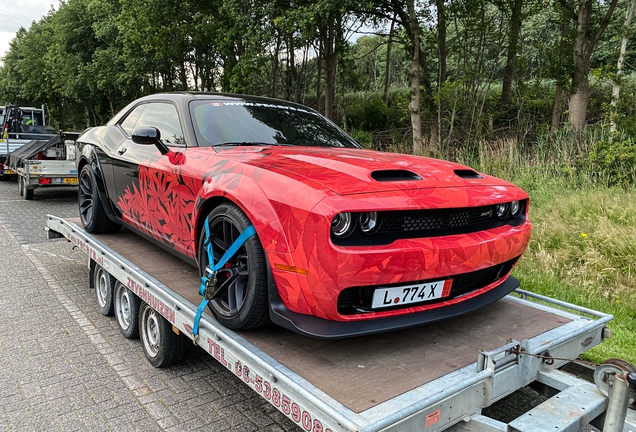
(104, 284)
(91, 209)
(162, 346)
(126, 308)
(28, 193)
(244, 304)
(20, 186)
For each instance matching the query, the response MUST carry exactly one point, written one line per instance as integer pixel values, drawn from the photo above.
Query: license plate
(69, 180)
(397, 296)
(8, 171)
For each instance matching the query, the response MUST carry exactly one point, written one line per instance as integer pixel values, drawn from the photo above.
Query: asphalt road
(66, 367)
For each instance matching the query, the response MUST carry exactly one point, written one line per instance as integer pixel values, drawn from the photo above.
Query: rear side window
(131, 119)
(164, 117)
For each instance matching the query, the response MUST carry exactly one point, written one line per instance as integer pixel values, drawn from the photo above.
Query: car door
(142, 172)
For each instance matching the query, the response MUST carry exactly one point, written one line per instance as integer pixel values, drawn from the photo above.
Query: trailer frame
(453, 401)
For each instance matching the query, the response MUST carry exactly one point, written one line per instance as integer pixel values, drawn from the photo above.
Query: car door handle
(121, 151)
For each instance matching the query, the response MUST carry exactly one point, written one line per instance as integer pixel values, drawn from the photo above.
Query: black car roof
(183, 98)
(189, 95)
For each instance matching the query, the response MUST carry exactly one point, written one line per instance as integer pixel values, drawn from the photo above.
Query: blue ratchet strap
(208, 280)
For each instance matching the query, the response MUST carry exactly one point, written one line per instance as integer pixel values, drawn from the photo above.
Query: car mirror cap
(146, 135)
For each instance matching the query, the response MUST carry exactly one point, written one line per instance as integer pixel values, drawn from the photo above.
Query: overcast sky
(15, 14)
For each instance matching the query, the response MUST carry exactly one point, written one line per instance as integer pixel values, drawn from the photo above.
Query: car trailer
(436, 377)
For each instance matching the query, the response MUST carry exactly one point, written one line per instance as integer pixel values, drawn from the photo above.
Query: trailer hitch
(209, 280)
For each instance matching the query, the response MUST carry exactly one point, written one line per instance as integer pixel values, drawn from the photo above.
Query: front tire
(126, 306)
(162, 346)
(242, 304)
(91, 209)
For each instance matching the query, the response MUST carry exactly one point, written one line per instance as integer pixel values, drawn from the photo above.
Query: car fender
(88, 154)
(253, 201)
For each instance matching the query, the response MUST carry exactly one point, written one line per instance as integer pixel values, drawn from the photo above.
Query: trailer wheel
(243, 302)
(126, 305)
(27, 194)
(20, 186)
(103, 283)
(92, 214)
(162, 346)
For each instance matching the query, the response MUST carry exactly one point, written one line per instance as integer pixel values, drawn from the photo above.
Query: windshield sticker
(256, 104)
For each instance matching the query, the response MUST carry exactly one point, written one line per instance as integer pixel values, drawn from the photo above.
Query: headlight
(515, 208)
(502, 210)
(369, 222)
(341, 225)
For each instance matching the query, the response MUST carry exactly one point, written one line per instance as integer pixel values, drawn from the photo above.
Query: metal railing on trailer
(451, 402)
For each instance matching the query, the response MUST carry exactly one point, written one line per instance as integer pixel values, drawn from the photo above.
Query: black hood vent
(468, 174)
(394, 175)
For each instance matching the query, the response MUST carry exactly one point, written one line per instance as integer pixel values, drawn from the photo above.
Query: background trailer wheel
(161, 344)
(126, 306)
(103, 283)
(27, 193)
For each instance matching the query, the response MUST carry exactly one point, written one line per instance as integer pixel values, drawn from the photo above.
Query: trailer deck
(424, 378)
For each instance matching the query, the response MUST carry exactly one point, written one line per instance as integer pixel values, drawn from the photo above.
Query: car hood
(355, 171)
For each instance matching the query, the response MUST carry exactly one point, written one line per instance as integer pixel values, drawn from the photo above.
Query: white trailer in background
(436, 377)
(45, 163)
(15, 132)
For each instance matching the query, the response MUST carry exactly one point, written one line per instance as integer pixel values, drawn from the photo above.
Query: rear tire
(162, 346)
(27, 193)
(244, 304)
(126, 308)
(104, 284)
(91, 209)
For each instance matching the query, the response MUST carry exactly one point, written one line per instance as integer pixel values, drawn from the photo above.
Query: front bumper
(326, 329)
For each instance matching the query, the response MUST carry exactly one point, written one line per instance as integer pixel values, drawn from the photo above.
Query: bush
(612, 160)
(367, 114)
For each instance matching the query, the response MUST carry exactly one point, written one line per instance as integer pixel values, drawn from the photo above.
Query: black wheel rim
(232, 279)
(86, 196)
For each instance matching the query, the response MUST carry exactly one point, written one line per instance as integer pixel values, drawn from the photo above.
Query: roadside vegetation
(583, 211)
(540, 93)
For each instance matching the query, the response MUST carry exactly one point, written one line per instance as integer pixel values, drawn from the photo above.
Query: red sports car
(337, 241)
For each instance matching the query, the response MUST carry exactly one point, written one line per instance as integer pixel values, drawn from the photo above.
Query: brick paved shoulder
(66, 367)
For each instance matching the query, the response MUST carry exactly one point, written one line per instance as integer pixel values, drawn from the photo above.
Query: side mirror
(149, 136)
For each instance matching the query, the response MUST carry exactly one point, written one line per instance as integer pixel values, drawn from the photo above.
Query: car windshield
(254, 123)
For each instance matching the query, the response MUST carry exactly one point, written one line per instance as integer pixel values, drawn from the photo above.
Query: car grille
(403, 224)
(423, 220)
(358, 300)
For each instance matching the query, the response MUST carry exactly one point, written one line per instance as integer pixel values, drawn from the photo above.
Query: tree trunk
(557, 109)
(441, 39)
(319, 76)
(583, 48)
(559, 95)
(513, 48)
(387, 70)
(414, 104)
(331, 63)
(580, 95)
(275, 67)
(616, 84)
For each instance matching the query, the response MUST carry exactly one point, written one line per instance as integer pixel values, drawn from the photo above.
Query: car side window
(164, 117)
(131, 119)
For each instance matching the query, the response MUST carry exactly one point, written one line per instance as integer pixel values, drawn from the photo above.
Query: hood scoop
(467, 174)
(394, 175)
